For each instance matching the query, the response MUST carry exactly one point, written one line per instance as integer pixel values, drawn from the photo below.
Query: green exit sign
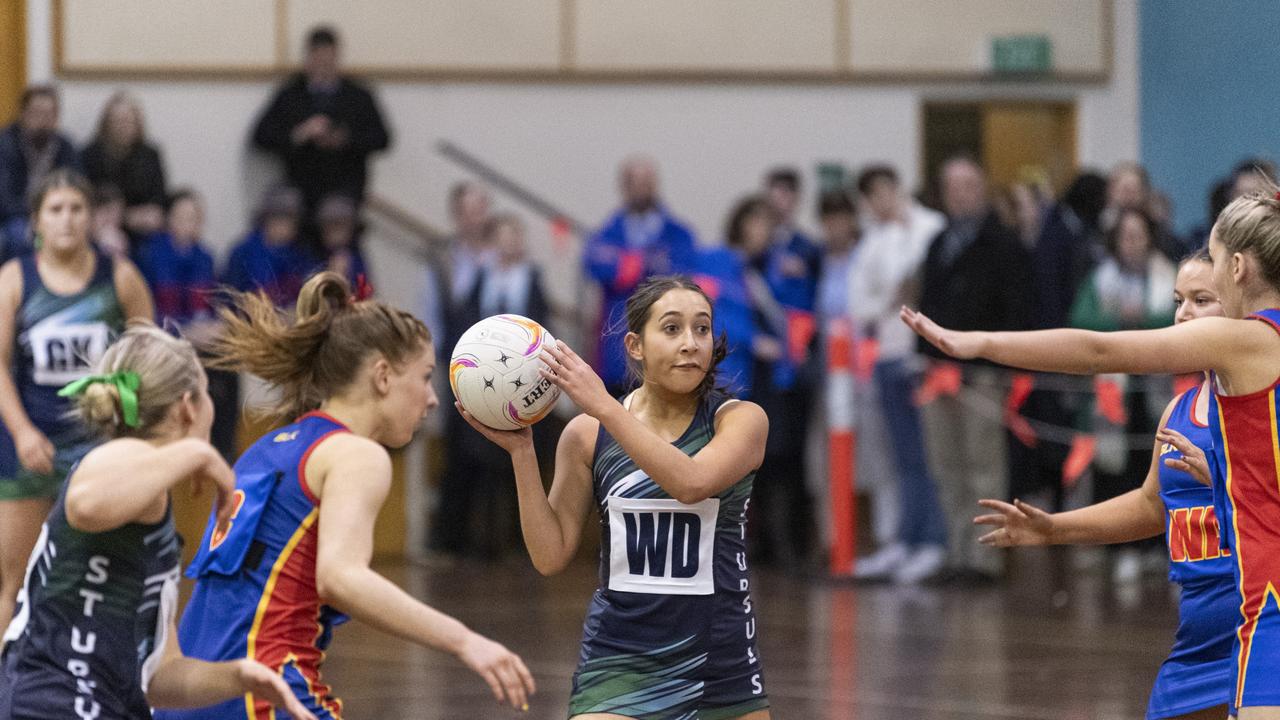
(1021, 54)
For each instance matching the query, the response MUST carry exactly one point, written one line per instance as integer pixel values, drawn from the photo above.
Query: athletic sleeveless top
(92, 619)
(1246, 462)
(255, 592)
(1191, 525)
(658, 546)
(60, 338)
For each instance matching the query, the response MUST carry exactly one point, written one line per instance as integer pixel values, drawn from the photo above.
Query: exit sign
(1021, 54)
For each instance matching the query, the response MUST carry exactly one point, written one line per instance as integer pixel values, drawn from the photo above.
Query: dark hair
(60, 178)
(322, 36)
(640, 305)
(872, 173)
(785, 176)
(34, 91)
(745, 208)
(1220, 196)
(835, 202)
(1113, 234)
(1087, 197)
(316, 351)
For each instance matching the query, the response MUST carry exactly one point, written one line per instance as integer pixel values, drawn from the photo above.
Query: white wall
(712, 142)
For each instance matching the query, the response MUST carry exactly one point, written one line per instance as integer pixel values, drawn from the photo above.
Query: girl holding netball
(1242, 351)
(354, 378)
(94, 634)
(1193, 682)
(59, 308)
(671, 631)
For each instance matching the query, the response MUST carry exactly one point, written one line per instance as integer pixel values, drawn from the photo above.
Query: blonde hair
(167, 369)
(319, 351)
(1251, 223)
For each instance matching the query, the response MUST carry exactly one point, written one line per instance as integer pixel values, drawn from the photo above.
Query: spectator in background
(896, 235)
(477, 510)
(108, 222)
(323, 126)
(639, 240)
(783, 522)
(1070, 246)
(179, 269)
(721, 274)
(271, 258)
(797, 261)
(338, 228)
(120, 155)
(30, 149)
(976, 274)
(841, 239)
(1129, 290)
(1129, 188)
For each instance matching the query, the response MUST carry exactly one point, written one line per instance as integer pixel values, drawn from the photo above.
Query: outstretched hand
(1193, 461)
(959, 345)
(1015, 524)
(503, 671)
(575, 378)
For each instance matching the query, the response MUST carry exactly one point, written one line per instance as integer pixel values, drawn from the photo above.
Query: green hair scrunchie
(126, 382)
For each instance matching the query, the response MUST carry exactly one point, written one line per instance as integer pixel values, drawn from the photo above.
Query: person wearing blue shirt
(270, 258)
(640, 240)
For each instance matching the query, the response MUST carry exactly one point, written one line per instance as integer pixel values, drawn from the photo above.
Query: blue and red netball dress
(1197, 674)
(1246, 477)
(671, 633)
(255, 593)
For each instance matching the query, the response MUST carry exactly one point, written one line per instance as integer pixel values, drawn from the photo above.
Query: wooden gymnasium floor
(1052, 643)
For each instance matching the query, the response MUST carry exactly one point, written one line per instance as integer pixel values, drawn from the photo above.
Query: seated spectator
(30, 149)
(338, 226)
(271, 258)
(120, 155)
(108, 222)
(180, 269)
(639, 240)
(180, 272)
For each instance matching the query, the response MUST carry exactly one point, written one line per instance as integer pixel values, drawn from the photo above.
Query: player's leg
(20, 521)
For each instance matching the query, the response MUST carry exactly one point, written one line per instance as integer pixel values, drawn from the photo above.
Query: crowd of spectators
(936, 435)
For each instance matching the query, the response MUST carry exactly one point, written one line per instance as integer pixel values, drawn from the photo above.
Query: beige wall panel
(681, 35)
(163, 34)
(435, 34)
(954, 36)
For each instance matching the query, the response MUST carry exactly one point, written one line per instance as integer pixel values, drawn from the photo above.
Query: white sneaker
(923, 563)
(881, 564)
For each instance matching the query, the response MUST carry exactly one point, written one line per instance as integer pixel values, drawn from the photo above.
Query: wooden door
(13, 57)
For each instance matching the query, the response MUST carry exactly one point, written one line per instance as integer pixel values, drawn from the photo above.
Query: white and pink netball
(494, 372)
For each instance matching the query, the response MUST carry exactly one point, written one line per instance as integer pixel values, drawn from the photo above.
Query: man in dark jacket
(976, 276)
(323, 126)
(30, 149)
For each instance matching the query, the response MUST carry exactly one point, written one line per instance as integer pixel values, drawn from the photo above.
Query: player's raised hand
(509, 440)
(959, 345)
(1015, 524)
(576, 379)
(503, 670)
(1193, 461)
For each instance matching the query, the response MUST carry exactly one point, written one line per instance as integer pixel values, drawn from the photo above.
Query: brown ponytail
(317, 352)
